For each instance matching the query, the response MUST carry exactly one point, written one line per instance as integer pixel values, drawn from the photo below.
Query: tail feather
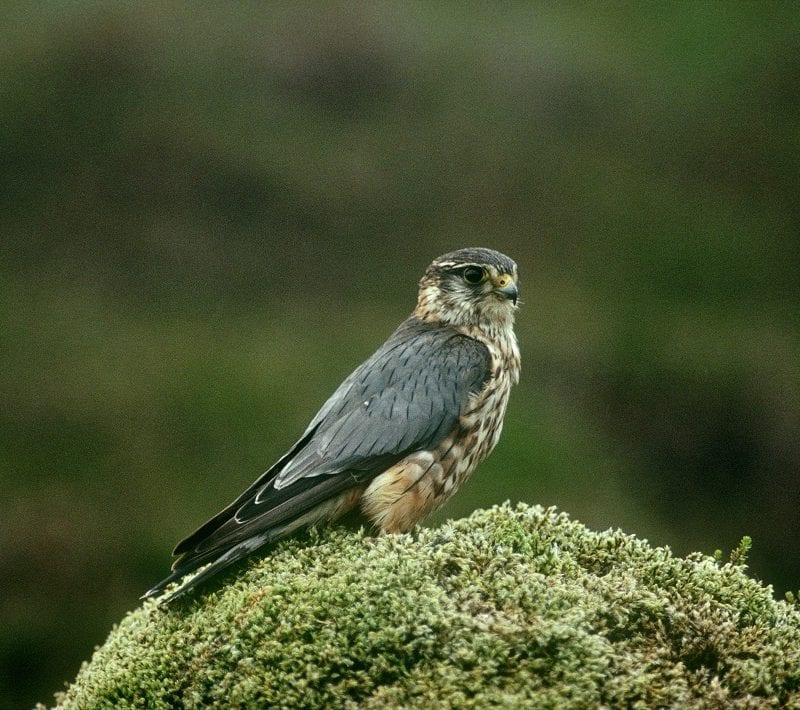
(218, 561)
(231, 548)
(179, 571)
(228, 558)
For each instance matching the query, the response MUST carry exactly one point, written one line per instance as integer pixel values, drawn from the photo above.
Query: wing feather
(406, 397)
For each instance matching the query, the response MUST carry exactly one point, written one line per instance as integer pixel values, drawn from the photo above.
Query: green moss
(510, 607)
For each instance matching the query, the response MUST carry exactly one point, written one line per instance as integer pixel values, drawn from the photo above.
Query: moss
(509, 607)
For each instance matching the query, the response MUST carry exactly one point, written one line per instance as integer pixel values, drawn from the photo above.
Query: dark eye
(473, 275)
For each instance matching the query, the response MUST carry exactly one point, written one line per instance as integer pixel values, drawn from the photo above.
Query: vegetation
(509, 608)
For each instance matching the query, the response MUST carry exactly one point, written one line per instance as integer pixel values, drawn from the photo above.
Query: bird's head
(470, 287)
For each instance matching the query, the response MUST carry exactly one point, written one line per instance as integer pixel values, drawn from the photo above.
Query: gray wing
(406, 397)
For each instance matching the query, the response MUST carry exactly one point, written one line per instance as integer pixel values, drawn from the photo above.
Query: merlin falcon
(400, 434)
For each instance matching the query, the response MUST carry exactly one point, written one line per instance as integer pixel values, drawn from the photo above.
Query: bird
(401, 433)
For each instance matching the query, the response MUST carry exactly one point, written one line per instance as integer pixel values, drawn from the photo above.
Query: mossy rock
(512, 607)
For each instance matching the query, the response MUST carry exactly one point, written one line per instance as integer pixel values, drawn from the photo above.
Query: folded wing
(406, 397)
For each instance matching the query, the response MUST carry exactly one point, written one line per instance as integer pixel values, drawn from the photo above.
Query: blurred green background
(211, 213)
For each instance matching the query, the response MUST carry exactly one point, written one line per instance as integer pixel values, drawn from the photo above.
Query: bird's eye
(473, 274)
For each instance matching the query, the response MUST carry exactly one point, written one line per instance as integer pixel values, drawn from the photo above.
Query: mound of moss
(511, 607)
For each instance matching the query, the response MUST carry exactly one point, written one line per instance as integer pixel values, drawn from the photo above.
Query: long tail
(324, 502)
(218, 563)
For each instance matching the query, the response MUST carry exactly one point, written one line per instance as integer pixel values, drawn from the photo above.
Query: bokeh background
(210, 213)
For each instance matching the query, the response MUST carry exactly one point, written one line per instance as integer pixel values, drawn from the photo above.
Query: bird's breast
(408, 491)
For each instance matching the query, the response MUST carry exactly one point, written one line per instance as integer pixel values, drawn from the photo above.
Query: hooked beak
(507, 288)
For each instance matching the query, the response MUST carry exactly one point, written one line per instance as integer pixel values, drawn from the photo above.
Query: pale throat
(436, 306)
(492, 324)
